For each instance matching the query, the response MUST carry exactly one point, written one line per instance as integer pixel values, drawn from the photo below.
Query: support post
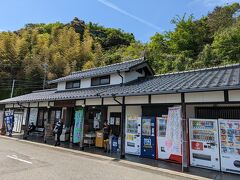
(123, 120)
(185, 153)
(3, 128)
(25, 129)
(13, 85)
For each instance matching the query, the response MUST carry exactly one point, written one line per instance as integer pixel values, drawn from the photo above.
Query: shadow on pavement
(151, 162)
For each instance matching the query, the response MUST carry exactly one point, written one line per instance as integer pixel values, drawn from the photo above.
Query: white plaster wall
(136, 100)
(61, 86)
(113, 109)
(93, 102)
(110, 101)
(79, 102)
(116, 79)
(234, 95)
(25, 104)
(43, 104)
(85, 83)
(166, 98)
(33, 104)
(215, 96)
(133, 75)
(133, 111)
(16, 106)
(9, 106)
(51, 104)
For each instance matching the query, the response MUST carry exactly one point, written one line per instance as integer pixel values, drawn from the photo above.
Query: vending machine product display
(133, 135)
(230, 145)
(148, 138)
(161, 137)
(204, 144)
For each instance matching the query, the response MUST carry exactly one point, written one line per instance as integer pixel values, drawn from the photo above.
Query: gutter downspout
(119, 73)
(114, 98)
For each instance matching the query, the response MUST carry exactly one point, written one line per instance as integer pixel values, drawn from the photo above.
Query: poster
(96, 121)
(117, 121)
(78, 126)
(112, 119)
(174, 131)
(33, 116)
(9, 120)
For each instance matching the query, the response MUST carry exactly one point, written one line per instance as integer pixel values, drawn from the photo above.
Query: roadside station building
(190, 117)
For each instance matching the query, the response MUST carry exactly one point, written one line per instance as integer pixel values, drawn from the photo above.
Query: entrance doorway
(18, 120)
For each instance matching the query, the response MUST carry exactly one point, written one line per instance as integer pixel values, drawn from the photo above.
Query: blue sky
(141, 17)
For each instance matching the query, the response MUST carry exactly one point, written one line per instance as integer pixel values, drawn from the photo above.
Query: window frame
(71, 86)
(99, 79)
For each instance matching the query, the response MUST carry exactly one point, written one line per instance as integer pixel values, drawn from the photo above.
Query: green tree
(205, 58)
(222, 17)
(226, 45)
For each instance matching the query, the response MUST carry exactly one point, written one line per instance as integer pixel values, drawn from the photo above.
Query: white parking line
(18, 159)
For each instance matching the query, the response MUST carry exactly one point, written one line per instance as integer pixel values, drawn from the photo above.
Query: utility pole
(13, 85)
(45, 67)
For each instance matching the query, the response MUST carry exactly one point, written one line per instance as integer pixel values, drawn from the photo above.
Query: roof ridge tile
(76, 72)
(199, 70)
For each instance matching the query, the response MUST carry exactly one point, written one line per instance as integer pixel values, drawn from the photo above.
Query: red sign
(197, 146)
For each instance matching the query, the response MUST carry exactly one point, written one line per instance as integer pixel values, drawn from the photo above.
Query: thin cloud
(212, 3)
(116, 8)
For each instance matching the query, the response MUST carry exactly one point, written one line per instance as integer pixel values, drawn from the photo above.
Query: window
(100, 80)
(42, 116)
(73, 84)
(55, 115)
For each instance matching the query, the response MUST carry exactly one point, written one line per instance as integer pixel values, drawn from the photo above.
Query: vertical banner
(78, 126)
(9, 120)
(33, 116)
(174, 131)
(1, 119)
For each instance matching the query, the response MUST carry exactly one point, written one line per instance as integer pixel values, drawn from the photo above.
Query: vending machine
(148, 142)
(230, 145)
(162, 150)
(204, 143)
(133, 135)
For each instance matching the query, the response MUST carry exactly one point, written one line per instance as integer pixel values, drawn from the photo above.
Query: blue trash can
(114, 144)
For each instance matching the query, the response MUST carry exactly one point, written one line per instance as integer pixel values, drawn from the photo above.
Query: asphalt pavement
(23, 161)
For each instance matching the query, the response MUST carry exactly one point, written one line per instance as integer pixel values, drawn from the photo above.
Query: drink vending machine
(148, 142)
(133, 135)
(204, 143)
(230, 145)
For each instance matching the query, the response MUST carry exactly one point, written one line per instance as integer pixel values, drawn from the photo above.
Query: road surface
(23, 161)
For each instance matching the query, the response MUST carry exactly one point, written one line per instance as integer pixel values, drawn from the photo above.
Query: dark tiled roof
(105, 70)
(227, 77)
(34, 96)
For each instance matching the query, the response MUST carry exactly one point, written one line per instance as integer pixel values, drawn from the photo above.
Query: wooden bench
(38, 132)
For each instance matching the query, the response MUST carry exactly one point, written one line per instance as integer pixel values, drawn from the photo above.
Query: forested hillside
(55, 50)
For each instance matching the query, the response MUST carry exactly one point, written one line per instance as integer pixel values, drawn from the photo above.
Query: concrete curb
(166, 172)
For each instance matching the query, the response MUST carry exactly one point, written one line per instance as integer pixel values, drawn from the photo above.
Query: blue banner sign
(78, 126)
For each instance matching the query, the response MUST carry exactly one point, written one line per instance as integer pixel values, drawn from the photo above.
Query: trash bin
(114, 145)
